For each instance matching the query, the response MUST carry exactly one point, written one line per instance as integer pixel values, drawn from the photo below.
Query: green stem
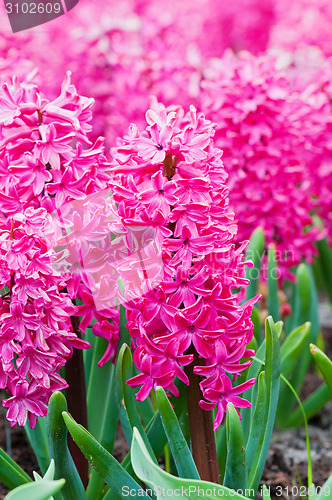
(76, 399)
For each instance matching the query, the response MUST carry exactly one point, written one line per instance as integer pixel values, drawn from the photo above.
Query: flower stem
(203, 443)
(169, 166)
(76, 399)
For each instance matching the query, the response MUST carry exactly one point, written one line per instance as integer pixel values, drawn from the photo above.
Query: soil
(286, 466)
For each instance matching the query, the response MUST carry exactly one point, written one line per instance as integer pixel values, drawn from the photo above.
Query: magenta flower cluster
(47, 163)
(170, 178)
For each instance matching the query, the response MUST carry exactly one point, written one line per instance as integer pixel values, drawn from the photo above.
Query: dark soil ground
(287, 462)
(286, 466)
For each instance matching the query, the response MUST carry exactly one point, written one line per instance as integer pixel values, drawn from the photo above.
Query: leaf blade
(236, 472)
(272, 378)
(178, 445)
(107, 466)
(41, 490)
(59, 451)
(11, 474)
(154, 477)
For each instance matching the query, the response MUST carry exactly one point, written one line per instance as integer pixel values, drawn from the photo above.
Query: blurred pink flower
(265, 120)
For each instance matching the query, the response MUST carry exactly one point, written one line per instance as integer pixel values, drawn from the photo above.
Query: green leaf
(255, 253)
(155, 433)
(236, 473)
(129, 395)
(125, 337)
(272, 380)
(11, 474)
(99, 389)
(325, 260)
(95, 487)
(64, 464)
(125, 424)
(257, 424)
(301, 312)
(145, 408)
(88, 353)
(279, 328)
(41, 490)
(49, 474)
(255, 318)
(38, 441)
(324, 364)
(157, 438)
(106, 465)
(108, 420)
(272, 297)
(306, 301)
(305, 309)
(254, 369)
(221, 444)
(292, 348)
(165, 485)
(183, 459)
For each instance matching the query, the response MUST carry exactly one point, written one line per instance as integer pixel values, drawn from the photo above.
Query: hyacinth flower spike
(190, 324)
